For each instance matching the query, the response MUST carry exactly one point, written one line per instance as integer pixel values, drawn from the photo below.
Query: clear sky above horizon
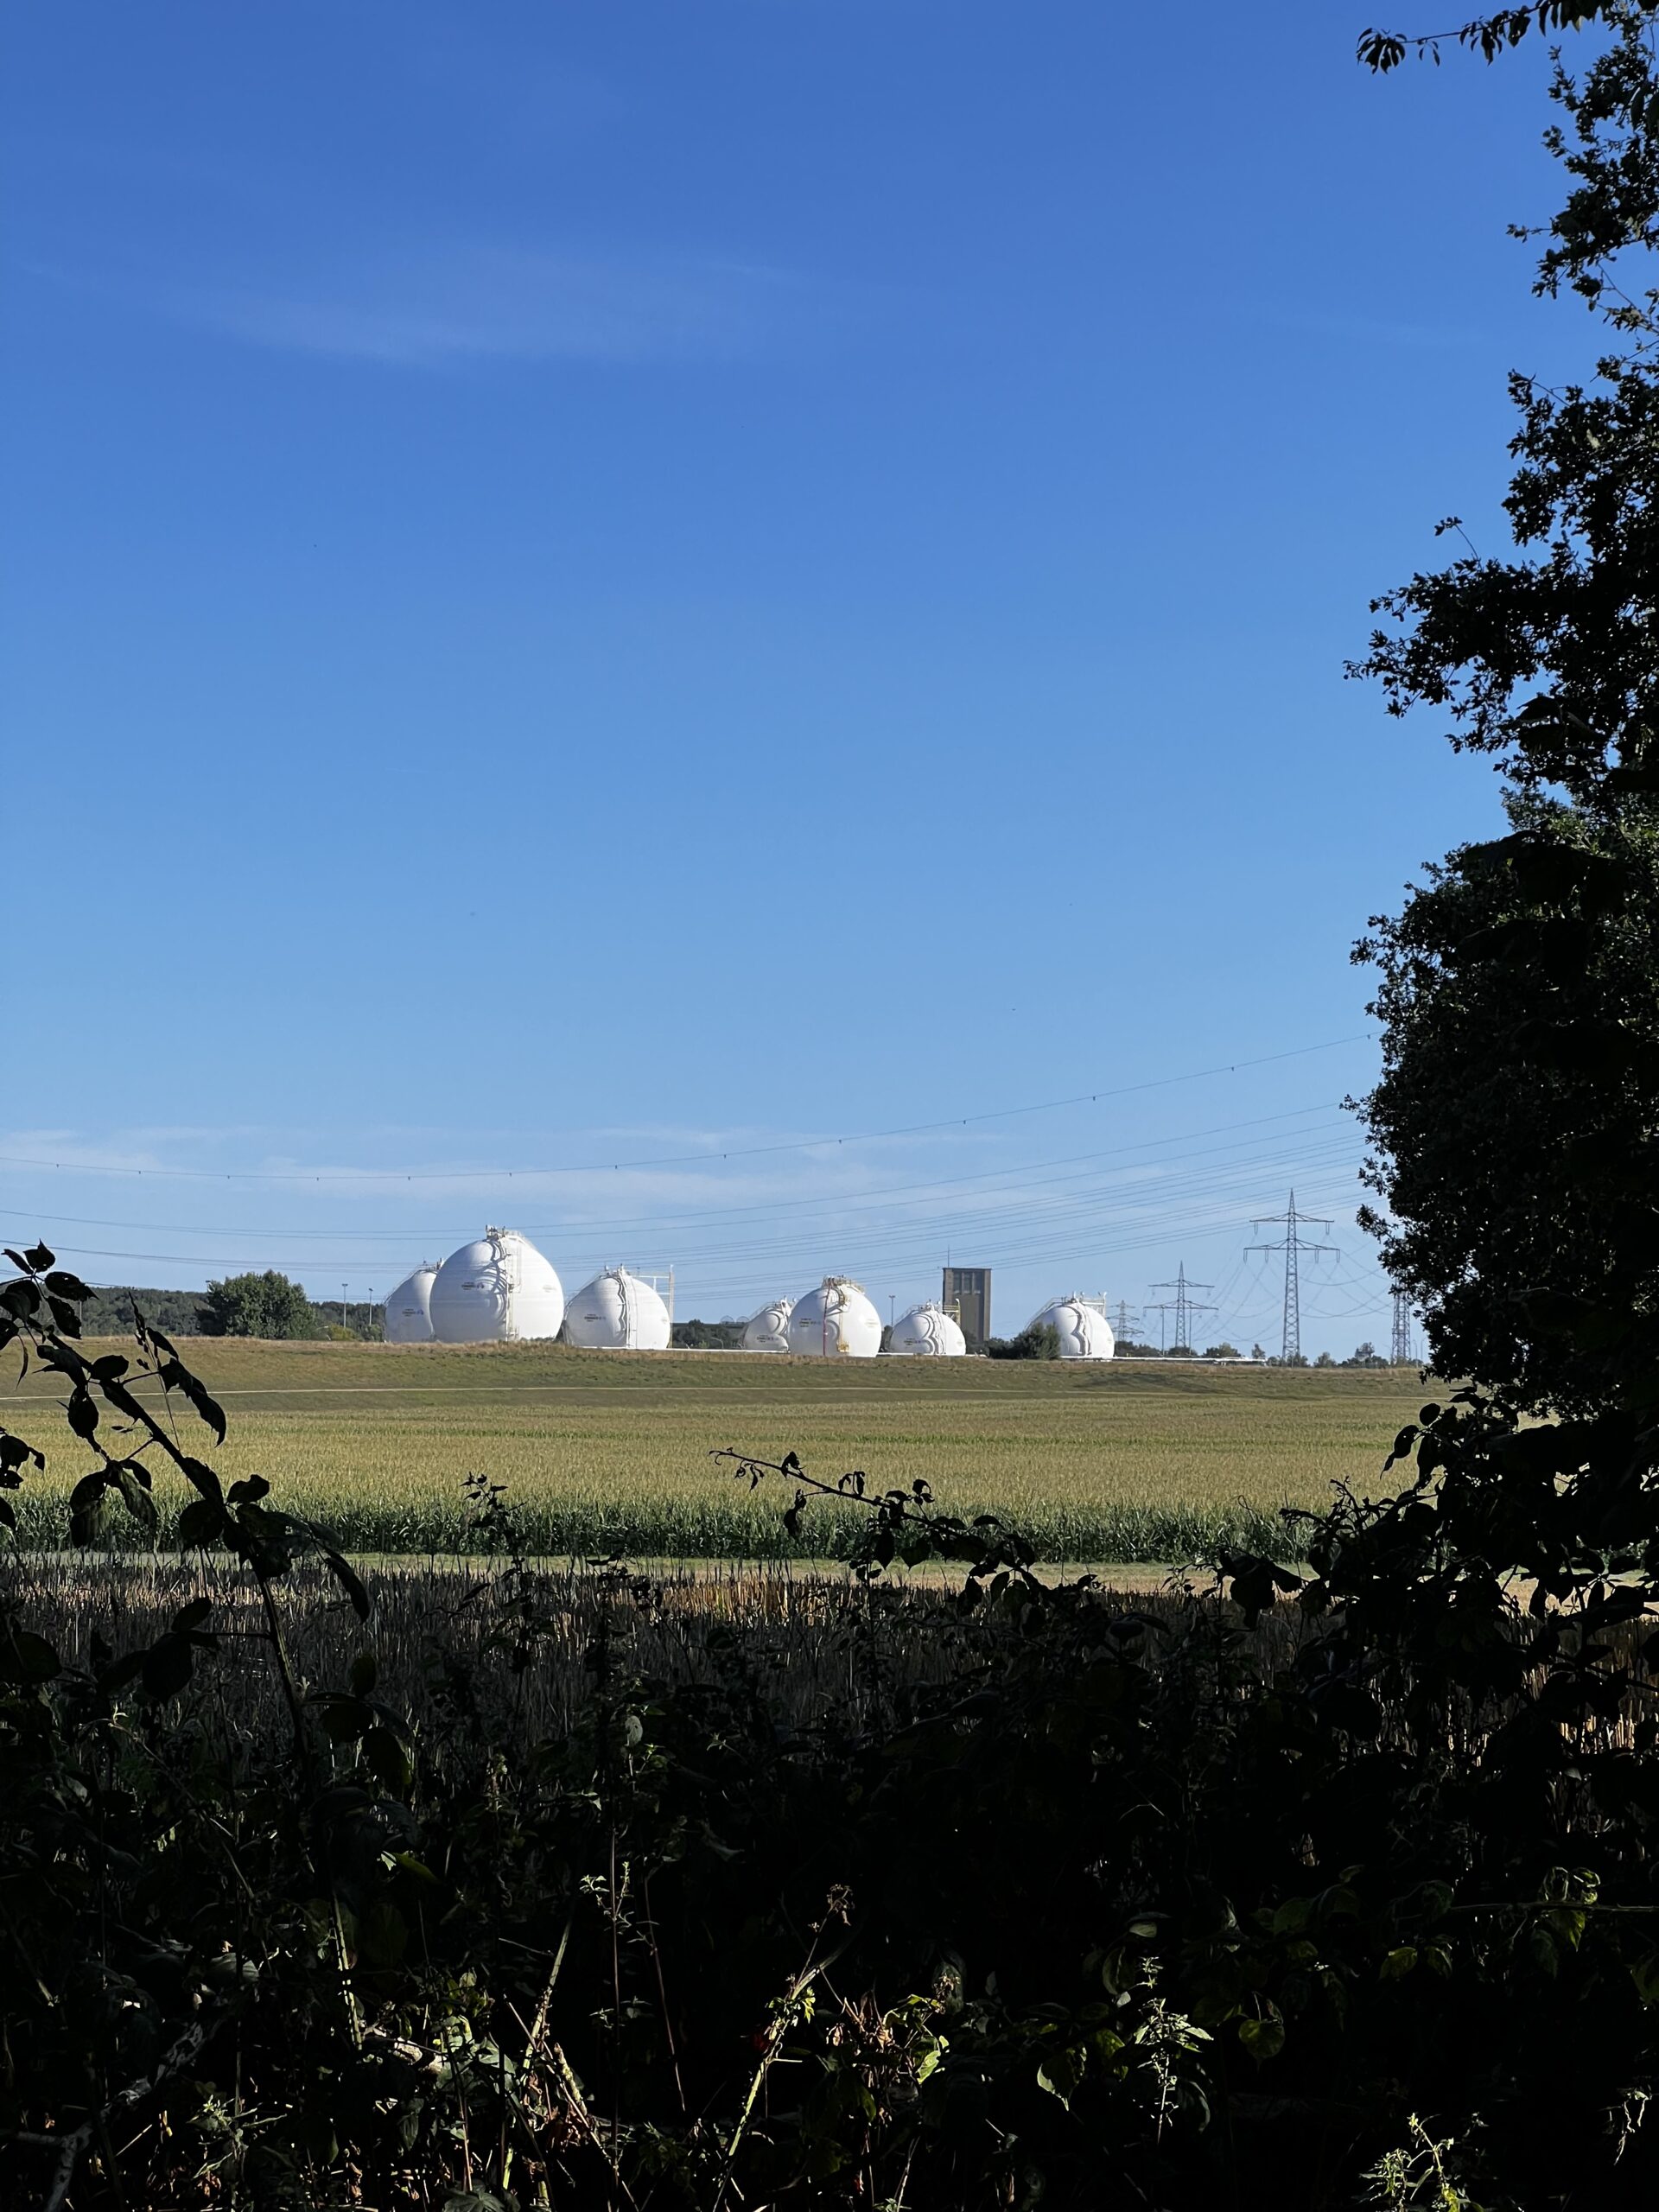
(596, 585)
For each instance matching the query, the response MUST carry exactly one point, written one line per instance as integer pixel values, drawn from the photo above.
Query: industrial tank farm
(617, 1312)
(499, 1290)
(927, 1332)
(834, 1321)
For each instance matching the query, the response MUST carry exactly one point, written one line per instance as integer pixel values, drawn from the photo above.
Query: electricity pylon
(1399, 1348)
(1292, 1246)
(1183, 1305)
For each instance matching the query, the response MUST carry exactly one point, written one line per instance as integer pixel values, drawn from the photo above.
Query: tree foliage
(1513, 1125)
(1491, 35)
(109, 1308)
(1037, 1340)
(266, 1304)
(1544, 659)
(708, 1336)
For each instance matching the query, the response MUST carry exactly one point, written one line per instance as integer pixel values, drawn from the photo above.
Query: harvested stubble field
(811, 1647)
(608, 1452)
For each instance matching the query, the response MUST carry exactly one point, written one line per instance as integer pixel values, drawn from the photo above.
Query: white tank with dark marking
(834, 1321)
(499, 1290)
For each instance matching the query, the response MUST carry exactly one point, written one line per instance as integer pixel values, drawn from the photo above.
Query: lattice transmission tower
(1399, 1354)
(1182, 1306)
(1126, 1321)
(1291, 1245)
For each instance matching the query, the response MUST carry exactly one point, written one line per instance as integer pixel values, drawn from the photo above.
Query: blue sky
(596, 585)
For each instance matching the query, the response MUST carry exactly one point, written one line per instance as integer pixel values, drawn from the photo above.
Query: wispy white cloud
(449, 306)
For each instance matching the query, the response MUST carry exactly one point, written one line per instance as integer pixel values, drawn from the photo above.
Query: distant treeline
(109, 1312)
(257, 1306)
(708, 1336)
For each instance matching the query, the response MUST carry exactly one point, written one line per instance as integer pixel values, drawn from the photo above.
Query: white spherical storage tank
(408, 1309)
(768, 1329)
(834, 1321)
(617, 1312)
(928, 1331)
(495, 1291)
(1084, 1331)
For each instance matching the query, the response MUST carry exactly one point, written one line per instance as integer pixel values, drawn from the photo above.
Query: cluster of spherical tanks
(500, 1289)
(838, 1321)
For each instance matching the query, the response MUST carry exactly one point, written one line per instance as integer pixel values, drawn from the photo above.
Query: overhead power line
(668, 1160)
(1092, 1223)
(897, 1193)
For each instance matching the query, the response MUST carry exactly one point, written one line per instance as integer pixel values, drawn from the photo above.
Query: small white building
(834, 1321)
(1084, 1331)
(927, 1331)
(617, 1312)
(768, 1329)
(408, 1309)
(497, 1291)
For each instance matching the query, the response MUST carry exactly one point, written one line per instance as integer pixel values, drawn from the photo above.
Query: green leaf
(1060, 2073)
(347, 1577)
(345, 1719)
(388, 1760)
(132, 1480)
(201, 1522)
(203, 1480)
(167, 1666)
(1399, 1963)
(1262, 2039)
(92, 1511)
(26, 1658)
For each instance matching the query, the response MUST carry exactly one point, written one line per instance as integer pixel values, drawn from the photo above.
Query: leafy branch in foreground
(901, 1525)
(1490, 35)
(39, 1311)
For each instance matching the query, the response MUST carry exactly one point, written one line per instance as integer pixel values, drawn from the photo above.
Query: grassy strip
(739, 1528)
